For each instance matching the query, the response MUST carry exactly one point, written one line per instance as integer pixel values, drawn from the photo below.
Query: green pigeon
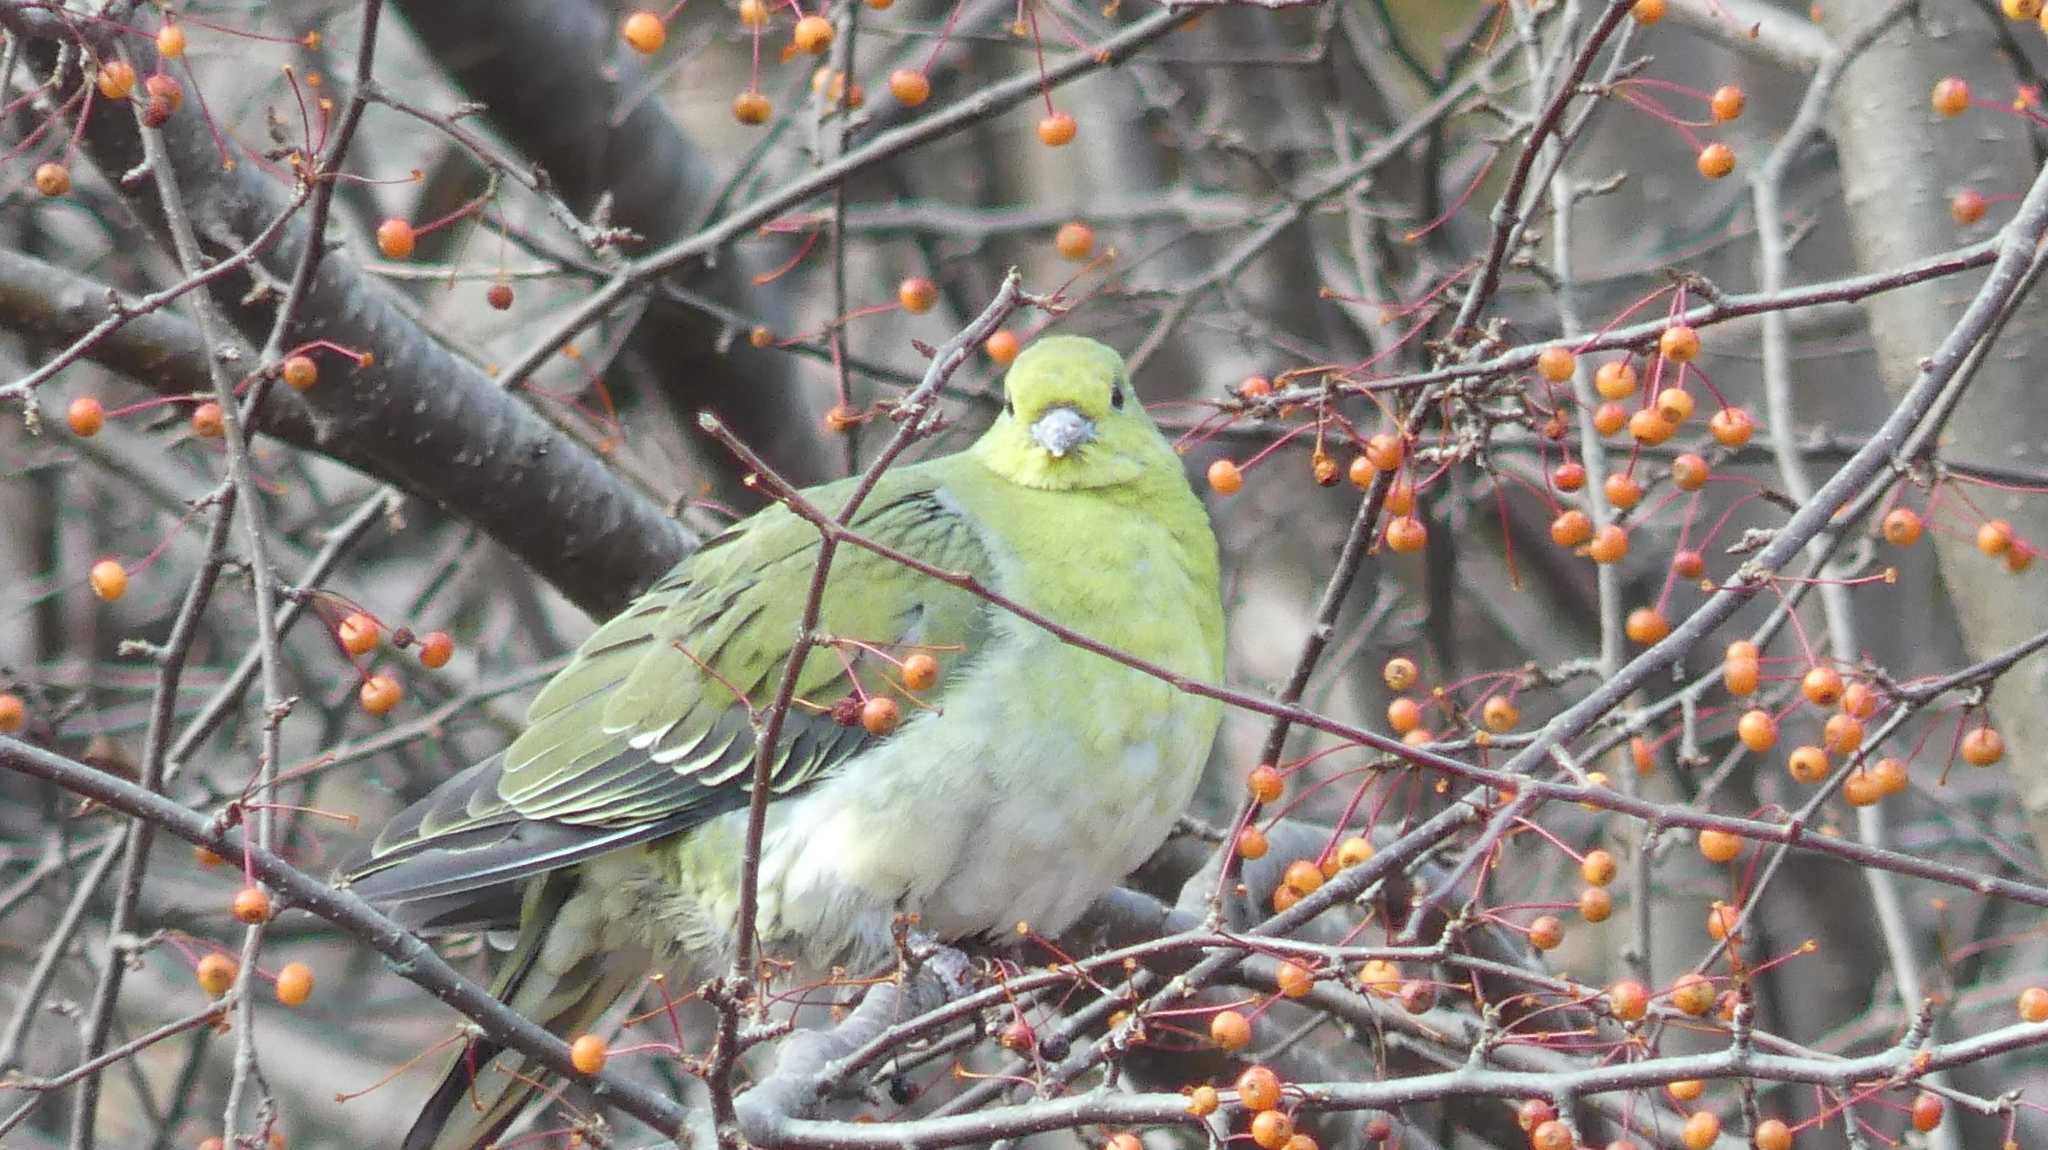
(1025, 776)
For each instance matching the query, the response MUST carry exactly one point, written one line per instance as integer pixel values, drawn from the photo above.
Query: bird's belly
(1020, 804)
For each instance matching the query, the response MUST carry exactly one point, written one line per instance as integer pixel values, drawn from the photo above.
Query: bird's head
(1070, 420)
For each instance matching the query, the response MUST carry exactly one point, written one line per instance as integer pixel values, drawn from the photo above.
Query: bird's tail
(559, 975)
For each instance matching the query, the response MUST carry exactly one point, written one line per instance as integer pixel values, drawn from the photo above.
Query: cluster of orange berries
(359, 633)
(646, 32)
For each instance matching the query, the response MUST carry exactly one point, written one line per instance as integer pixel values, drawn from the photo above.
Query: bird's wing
(648, 731)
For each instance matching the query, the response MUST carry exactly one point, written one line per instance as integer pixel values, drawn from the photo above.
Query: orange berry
(436, 648)
(1757, 730)
(300, 372)
(1251, 843)
(1400, 497)
(1075, 240)
(1628, 1000)
(1685, 1089)
(1272, 1130)
(1568, 476)
(1225, 478)
(1927, 1110)
(1890, 775)
(379, 694)
(1721, 920)
(1842, 735)
(1679, 343)
(2022, 9)
(1731, 427)
(1123, 1141)
(910, 87)
(1862, 789)
(1615, 380)
(880, 715)
(1771, 1134)
(1380, 977)
(1623, 491)
(359, 634)
(116, 79)
(13, 713)
(1982, 747)
(2019, 558)
(1300, 1142)
(920, 671)
(1595, 904)
(1715, 160)
(1230, 1030)
(1385, 452)
(170, 41)
(1597, 867)
(1406, 535)
(1727, 103)
(645, 32)
(206, 858)
(1995, 537)
(917, 295)
(1676, 405)
(209, 421)
(1265, 783)
(395, 238)
(1258, 1088)
(1743, 649)
(1294, 980)
(164, 86)
(1647, 625)
(1609, 545)
(1571, 528)
(1404, 715)
(1647, 12)
(1807, 764)
(588, 1053)
(1556, 364)
(1967, 206)
(1609, 418)
(108, 579)
(499, 296)
(294, 984)
(1689, 472)
(216, 973)
(1255, 387)
(1822, 686)
(759, 336)
(813, 34)
(1700, 1130)
(1361, 472)
(1356, 850)
(1692, 994)
(1057, 130)
(1902, 527)
(1650, 428)
(1002, 347)
(1546, 932)
(53, 179)
(1323, 469)
(1202, 1101)
(1551, 1135)
(1688, 564)
(751, 107)
(1499, 714)
(1951, 96)
(2033, 1004)
(85, 416)
(1534, 1112)
(1720, 846)
(1741, 676)
(753, 13)
(1400, 673)
(252, 905)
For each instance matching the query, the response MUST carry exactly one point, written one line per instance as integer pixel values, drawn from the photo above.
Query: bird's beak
(1060, 430)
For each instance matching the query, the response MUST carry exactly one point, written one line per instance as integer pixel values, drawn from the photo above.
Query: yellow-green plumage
(1033, 776)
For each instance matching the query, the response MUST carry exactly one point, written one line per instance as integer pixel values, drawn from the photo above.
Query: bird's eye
(1010, 405)
(1116, 396)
